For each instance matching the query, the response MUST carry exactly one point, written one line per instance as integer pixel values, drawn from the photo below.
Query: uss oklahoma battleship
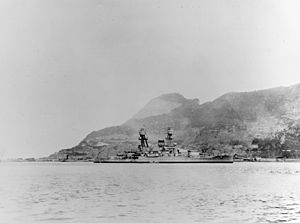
(166, 151)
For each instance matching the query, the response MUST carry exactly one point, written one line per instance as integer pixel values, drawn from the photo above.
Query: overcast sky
(68, 67)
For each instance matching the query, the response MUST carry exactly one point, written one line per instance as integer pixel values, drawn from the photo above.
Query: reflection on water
(87, 192)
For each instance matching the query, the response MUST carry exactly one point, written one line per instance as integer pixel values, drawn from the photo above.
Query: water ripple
(243, 192)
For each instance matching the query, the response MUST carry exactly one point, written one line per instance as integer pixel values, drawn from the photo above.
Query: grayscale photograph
(149, 111)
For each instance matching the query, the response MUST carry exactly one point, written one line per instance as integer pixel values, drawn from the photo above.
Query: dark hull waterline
(165, 161)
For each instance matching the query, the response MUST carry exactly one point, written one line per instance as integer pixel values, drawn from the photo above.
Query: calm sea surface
(87, 192)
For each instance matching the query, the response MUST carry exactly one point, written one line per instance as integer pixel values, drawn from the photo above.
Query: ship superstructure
(166, 151)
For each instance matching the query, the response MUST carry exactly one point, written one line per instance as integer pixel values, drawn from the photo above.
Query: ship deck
(176, 161)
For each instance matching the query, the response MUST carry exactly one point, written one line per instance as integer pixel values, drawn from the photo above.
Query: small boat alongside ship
(166, 152)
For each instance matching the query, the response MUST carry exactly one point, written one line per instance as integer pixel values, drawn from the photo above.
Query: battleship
(166, 152)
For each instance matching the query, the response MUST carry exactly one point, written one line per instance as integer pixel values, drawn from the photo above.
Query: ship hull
(227, 159)
(166, 161)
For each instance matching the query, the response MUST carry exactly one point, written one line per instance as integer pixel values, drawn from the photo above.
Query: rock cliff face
(233, 122)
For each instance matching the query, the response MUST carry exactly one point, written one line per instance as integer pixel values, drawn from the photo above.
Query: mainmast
(169, 137)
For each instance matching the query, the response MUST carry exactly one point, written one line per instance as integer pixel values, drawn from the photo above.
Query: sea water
(88, 192)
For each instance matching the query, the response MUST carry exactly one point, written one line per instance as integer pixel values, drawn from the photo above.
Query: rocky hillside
(235, 122)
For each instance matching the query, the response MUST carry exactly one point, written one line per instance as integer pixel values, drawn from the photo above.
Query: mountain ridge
(233, 117)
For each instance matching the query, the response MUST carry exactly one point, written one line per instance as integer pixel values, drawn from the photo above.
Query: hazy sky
(70, 67)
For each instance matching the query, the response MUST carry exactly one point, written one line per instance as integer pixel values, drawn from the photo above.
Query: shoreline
(263, 160)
